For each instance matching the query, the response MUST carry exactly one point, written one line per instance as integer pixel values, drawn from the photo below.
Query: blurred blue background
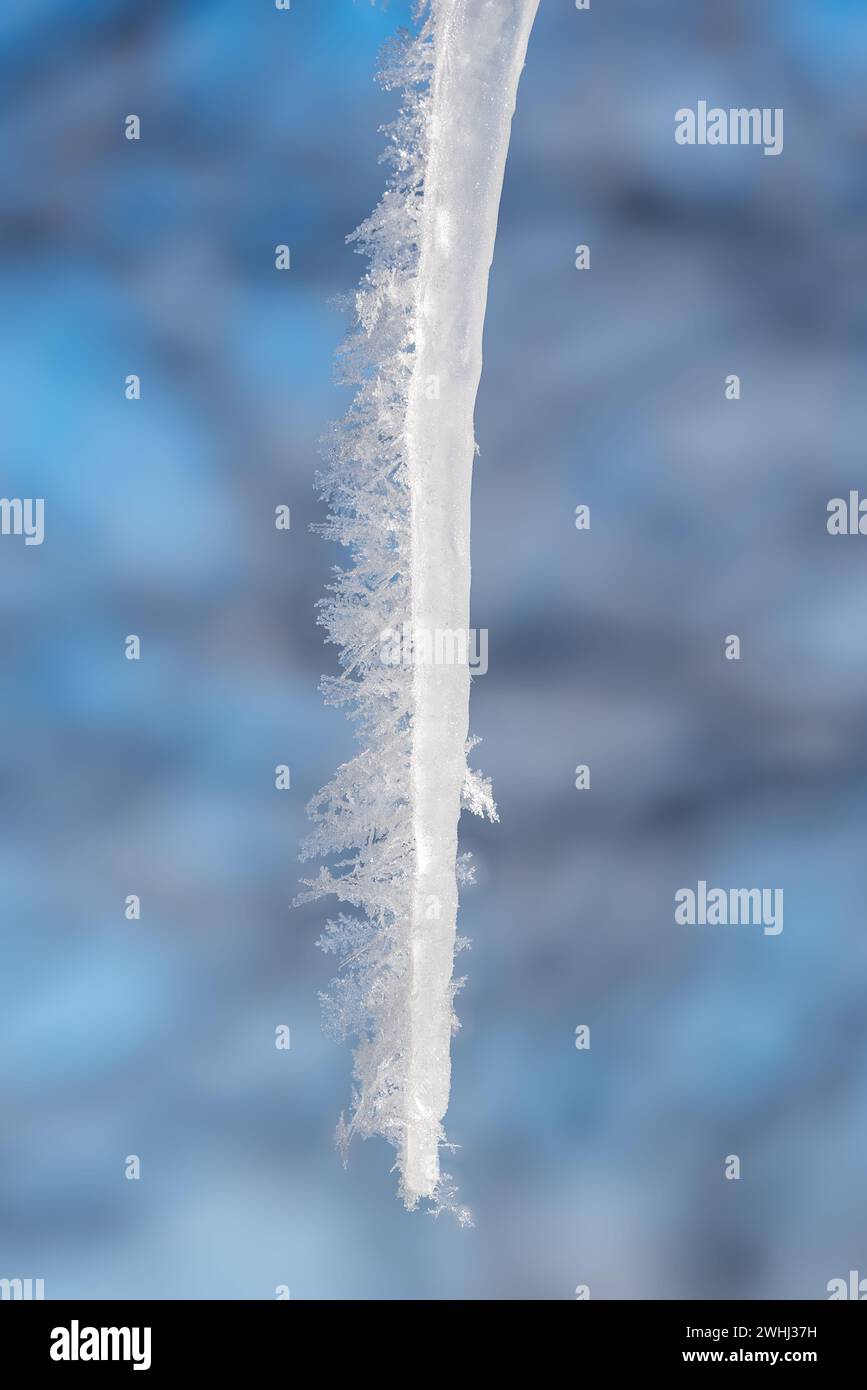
(604, 387)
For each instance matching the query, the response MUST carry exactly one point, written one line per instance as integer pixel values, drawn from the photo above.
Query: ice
(398, 481)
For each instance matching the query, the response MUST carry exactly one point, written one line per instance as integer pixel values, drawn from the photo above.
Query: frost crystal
(398, 484)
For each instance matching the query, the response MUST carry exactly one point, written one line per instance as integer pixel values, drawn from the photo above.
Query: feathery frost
(365, 821)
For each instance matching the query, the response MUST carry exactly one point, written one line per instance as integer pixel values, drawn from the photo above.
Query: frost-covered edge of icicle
(363, 814)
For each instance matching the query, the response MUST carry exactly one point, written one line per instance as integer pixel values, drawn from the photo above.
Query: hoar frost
(398, 481)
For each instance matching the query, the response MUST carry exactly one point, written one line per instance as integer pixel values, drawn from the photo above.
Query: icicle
(398, 482)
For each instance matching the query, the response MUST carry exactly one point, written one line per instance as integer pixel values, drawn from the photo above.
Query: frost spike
(479, 54)
(398, 481)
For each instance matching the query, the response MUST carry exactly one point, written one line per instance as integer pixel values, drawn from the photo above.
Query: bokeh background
(606, 647)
